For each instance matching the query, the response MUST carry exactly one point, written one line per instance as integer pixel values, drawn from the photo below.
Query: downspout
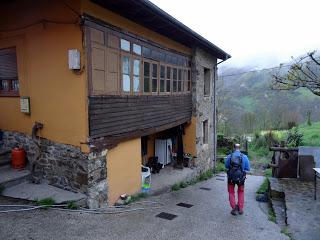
(215, 111)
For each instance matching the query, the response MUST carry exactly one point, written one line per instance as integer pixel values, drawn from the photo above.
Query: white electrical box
(25, 105)
(74, 59)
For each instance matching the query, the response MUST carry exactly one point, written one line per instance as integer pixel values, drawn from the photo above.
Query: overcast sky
(259, 33)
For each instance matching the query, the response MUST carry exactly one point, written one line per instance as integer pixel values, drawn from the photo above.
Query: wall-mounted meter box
(25, 105)
(74, 59)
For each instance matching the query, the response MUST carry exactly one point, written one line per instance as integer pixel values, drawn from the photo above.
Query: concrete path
(209, 218)
(32, 192)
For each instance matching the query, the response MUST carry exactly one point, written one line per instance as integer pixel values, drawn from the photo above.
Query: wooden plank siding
(115, 118)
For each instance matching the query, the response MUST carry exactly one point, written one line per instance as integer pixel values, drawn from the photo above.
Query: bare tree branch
(304, 72)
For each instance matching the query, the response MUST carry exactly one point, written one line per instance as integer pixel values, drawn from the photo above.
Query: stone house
(87, 86)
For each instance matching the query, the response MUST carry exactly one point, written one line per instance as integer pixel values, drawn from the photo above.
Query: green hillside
(246, 103)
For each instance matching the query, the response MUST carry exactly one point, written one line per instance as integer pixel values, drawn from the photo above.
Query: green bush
(220, 167)
(72, 206)
(263, 187)
(294, 138)
(46, 202)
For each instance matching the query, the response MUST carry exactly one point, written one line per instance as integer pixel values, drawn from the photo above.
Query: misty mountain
(247, 103)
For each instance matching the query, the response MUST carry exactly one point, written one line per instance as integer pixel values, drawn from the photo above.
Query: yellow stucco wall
(124, 169)
(116, 20)
(58, 96)
(189, 139)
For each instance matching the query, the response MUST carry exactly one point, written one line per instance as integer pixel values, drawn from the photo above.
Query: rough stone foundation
(63, 166)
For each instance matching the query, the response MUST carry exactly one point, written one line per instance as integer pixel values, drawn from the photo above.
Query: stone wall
(203, 107)
(63, 165)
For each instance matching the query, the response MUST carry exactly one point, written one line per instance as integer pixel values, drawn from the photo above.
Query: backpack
(235, 173)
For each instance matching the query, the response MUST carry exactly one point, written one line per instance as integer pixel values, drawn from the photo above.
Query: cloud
(251, 30)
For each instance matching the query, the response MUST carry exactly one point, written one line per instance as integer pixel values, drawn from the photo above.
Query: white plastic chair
(145, 175)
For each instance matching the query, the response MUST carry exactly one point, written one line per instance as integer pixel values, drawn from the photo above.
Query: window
(174, 80)
(179, 80)
(205, 131)
(168, 83)
(136, 75)
(125, 45)
(9, 83)
(137, 49)
(125, 74)
(146, 73)
(206, 76)
(185, 80)
(154, 77)
(189, 81)
(162, 78)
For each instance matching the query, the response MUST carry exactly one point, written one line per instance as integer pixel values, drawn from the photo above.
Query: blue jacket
(245, 161)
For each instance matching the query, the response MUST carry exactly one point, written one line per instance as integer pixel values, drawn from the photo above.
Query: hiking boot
(238, 209)
(234, 211)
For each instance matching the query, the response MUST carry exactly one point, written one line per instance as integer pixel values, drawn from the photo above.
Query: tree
(303, 72)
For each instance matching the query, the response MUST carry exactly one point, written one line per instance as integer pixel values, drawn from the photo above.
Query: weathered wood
(125, 117)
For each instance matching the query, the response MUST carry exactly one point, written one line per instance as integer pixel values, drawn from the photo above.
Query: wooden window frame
(123, 54)
(170, 79)
(143, 76)
(158, 75)
(165, 80)
(135, 57)
(10, 92)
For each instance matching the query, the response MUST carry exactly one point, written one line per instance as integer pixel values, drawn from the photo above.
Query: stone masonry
(63, 165)
(203, 107)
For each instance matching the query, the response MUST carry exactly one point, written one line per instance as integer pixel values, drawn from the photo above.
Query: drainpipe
(215, 111)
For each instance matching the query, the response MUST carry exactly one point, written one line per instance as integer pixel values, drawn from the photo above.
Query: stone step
(5, 158)
(10, 177)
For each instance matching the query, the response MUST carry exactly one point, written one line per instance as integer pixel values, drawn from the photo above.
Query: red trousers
(232, 198)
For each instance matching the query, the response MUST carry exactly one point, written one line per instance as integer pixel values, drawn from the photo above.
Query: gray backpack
(236, 175)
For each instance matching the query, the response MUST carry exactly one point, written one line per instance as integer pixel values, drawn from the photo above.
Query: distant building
(103, 80)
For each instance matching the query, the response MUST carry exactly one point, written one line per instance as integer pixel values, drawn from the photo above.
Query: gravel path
(209, 218)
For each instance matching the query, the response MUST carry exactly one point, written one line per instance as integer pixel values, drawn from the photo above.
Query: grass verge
(286, 232)
(264, 187)
(46, 202)
(136, 197)
(271, 215)
(202, 177)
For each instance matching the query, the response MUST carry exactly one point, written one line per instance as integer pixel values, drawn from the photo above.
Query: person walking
(236, 164)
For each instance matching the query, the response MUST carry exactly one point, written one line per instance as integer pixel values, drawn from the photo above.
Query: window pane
(154, 84)
(146, 72)
(136, 67)
(154, 70)
(137, 49)
(179, 86)
(162, 85)
(125, 65)
(136, 84)
(146, 84)
(189, 85)
(174, 76)
(126, 82)
(5, 85)
(168, 87)
(189, 75)
(168, 72)
(174, 86)
(162, 71)
(174, 82)
(179, 74)
(146, 69)
(125, 45)
(15, 85)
